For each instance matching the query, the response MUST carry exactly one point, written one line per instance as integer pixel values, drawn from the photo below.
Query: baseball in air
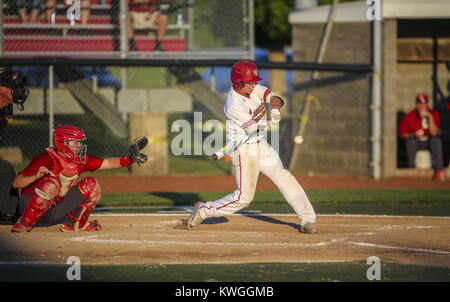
(298, 139)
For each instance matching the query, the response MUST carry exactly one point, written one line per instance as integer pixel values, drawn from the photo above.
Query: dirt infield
(124, 184)
(157, 238)
(163, 239)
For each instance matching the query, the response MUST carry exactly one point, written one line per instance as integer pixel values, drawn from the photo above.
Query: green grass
(251, 272)
(204, 165)
(273, 196)
(375, 202)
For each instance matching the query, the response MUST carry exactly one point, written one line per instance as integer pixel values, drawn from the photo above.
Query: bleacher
(99, 38)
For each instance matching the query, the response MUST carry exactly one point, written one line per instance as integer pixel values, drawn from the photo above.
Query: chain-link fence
(97, 99)
(127, 28)
(103, 100)
(333, 112)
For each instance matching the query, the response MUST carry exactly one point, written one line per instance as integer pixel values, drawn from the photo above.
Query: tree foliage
(272, 28)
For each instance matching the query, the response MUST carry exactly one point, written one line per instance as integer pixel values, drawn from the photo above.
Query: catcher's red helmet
(244, 72)
(62, 136)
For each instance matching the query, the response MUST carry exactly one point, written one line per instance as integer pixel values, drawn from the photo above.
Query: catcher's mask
(72, 142)
(19, 85)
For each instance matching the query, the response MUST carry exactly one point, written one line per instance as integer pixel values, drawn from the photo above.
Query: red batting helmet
(244, 72)
(63, 134)
(422, 98)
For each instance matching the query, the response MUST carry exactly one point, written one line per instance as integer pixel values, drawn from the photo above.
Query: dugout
(415, 57)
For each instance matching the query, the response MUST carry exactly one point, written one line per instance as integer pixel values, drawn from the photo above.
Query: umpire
(14, 88)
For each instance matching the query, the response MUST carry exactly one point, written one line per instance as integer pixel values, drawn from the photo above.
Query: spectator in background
(421, 128)
(50, 7)
(23, 7)
(147, 14)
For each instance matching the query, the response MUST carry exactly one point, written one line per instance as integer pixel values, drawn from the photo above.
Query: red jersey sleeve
(92, 163)
(403, 127)
(410, 123)
(38, 161)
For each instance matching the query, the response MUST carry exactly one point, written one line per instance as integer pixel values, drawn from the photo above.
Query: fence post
(376, 100)
(251, 30)
(123, 25)
(190, 35)
(213, 79)
(1, 30)
(123, 20)
(94, 80)
(50, 104)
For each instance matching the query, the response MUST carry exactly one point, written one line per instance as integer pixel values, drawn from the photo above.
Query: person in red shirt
(421, 128)
(146, 13)
(49, 192)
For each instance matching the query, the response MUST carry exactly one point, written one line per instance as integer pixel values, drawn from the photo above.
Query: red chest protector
(65, 169)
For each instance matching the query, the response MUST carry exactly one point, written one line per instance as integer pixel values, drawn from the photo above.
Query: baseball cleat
(20, 228)
(195, 219)
(309, 228)
(90, 226)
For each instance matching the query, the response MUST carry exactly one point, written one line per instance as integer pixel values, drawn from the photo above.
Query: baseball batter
(246, 115)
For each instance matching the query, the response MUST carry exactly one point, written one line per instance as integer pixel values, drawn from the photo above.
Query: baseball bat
(234, 145)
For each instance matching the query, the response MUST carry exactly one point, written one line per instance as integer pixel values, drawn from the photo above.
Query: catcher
(50, 194)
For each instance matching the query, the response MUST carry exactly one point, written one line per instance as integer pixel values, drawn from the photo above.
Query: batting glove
(275, 116)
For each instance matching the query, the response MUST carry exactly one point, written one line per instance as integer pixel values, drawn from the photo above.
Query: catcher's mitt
(135, 151)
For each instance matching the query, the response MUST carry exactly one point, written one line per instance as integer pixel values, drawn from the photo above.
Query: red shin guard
(38, 204)
(77, 220)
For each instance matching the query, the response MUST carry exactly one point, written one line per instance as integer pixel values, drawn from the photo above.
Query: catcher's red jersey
(61, 167)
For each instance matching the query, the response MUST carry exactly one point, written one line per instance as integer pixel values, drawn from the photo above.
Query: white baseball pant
(248, 161)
